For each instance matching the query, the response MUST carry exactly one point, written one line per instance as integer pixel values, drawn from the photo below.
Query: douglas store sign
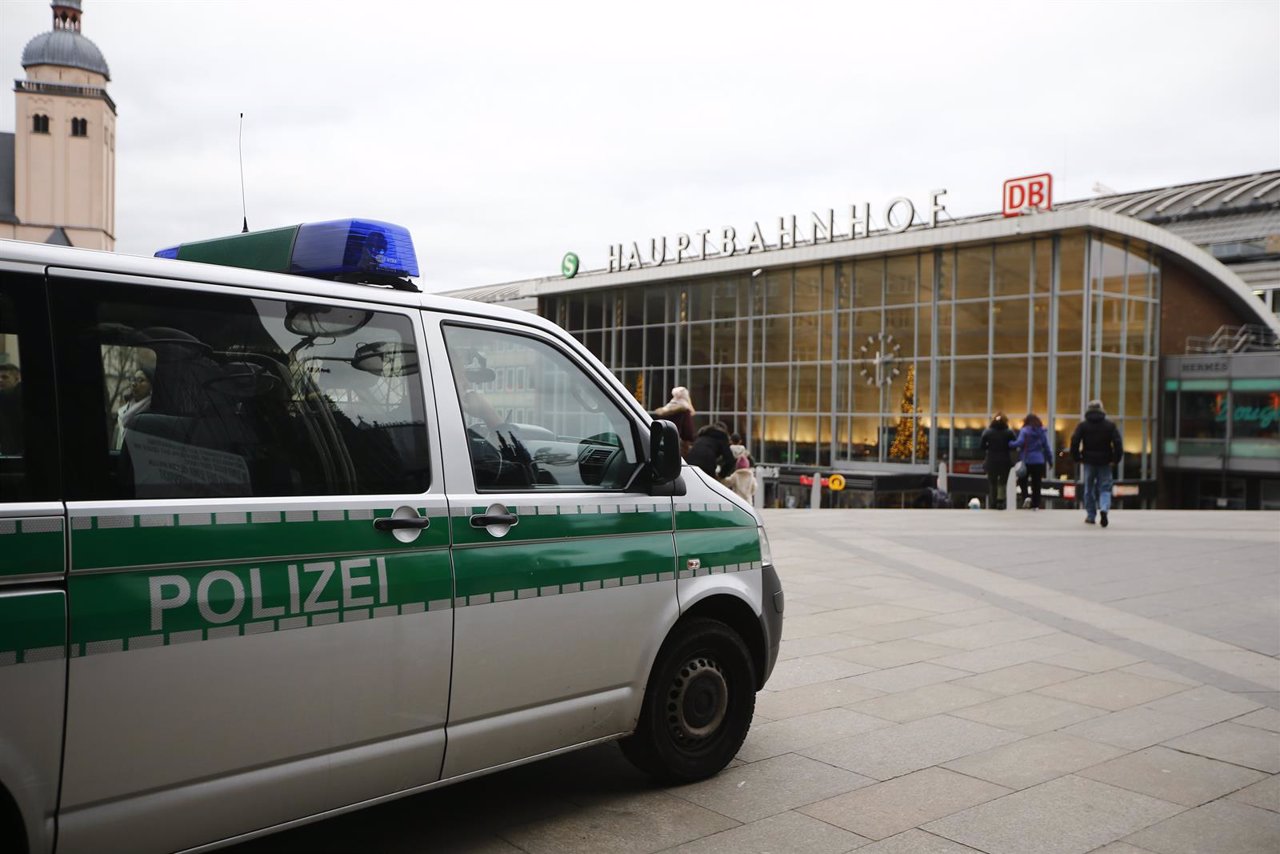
(784, 232)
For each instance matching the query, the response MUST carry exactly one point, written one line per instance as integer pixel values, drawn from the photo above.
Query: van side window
(28, 435)
(216, 395)
(555, 428)
(13, 427)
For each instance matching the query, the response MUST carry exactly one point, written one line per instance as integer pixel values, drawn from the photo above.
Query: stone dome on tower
(65, 45)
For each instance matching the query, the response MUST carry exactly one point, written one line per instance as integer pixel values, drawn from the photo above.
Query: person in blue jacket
(1033, 440)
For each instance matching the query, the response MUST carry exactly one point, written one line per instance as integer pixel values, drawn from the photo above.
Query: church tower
(64, 158)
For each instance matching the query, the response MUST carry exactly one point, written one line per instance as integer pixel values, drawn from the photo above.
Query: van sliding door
(260, 569)
(33, 601)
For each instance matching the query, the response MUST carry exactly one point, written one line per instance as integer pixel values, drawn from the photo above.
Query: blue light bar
(345, 249)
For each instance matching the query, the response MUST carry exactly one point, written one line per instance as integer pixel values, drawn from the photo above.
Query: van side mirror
(664, 452)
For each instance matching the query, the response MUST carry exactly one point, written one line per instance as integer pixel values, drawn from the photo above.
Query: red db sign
(1024, 195)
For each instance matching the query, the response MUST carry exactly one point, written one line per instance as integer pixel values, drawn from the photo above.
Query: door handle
(495, 520)
(392, 523)
(484, 520)
(404, 524)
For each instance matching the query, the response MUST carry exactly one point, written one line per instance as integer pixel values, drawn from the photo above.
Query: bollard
(815, 494)
(1011, 491)
(757, 497)
(942, 477)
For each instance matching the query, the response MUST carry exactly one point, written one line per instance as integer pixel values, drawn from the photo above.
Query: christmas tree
(908, 425)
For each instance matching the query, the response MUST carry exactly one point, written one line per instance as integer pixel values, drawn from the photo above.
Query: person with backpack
(742, 479)
(1096, 445)
(1033, 440)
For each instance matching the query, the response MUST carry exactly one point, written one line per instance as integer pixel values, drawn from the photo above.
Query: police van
(281, 537)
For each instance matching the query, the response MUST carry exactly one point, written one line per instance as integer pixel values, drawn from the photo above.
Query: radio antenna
(243, 209)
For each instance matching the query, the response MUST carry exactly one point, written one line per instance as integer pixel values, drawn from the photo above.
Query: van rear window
(218, 395)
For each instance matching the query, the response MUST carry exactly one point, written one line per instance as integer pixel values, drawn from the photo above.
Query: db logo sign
(1024, 195)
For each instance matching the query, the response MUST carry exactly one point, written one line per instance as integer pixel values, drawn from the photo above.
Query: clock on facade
(880, 359)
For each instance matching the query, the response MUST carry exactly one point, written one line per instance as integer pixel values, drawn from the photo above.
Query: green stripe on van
(725, 515)
(33, 627)
(548, 522)
(718, 548)
(527, 570)
(31, 546)
(123, 542)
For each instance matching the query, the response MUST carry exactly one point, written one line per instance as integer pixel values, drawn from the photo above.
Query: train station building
(876, 341)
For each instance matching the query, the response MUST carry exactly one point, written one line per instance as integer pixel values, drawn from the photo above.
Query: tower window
(79, 127)
(39, 123)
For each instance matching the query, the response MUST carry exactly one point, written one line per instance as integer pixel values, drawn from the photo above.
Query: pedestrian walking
(998, 460)
(1033, 441)
(679, 411)
(1096, 445)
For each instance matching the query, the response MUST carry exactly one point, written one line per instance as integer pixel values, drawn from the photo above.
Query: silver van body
(305, 565)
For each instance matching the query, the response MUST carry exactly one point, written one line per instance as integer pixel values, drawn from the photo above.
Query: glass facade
(898, 358)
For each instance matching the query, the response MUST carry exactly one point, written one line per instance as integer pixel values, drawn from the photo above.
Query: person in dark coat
(1033, 440)
(999, 459)
(711, 451)
(1096, 445)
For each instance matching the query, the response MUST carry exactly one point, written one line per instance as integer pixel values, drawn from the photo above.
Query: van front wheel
(697, 706)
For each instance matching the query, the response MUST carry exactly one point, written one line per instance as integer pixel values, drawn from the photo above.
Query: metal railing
(65, 89)
(1250, 338)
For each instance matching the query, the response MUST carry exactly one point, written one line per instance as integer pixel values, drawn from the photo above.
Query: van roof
(72, 258)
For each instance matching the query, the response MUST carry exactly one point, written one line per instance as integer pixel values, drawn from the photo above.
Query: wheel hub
(697, 700)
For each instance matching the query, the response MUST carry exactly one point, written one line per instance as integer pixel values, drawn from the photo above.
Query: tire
(697, 706)
(13, 833)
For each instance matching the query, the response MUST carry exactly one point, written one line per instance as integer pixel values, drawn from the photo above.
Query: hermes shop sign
(786, 231)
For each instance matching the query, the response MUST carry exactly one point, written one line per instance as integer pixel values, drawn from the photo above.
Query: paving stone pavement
(949, 682)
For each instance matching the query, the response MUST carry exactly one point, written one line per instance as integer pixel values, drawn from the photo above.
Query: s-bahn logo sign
(569, 265)
(785, 232)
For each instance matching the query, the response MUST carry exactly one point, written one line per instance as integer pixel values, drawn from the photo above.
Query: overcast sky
(505, 134)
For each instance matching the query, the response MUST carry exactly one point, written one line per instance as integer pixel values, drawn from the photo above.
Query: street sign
(836, 482)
